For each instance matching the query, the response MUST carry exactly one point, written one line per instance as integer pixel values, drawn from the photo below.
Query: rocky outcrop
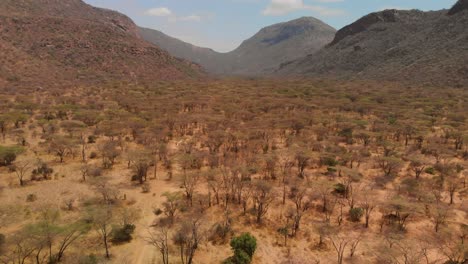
(387, 16)
(460, 6)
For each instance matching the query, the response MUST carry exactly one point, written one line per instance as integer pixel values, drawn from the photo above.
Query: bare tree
(354, 244)
(340, 242)
(263, 196)
(160, 240)
(389, 165)
(21, 168)
(188, 238)
(300, 196)
(105, 189)
(302, 160)
(368, 204)
(61, 146)
(190, 184)
(102, 218)
(23, 248)
(109, 152)
(417, 166)
(171, 205)
(140, 161)
(438, 215)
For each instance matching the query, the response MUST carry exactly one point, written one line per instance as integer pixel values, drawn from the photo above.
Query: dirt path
(139, 251)
(145, 253)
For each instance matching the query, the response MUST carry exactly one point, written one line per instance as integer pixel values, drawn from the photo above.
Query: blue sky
(223, 24)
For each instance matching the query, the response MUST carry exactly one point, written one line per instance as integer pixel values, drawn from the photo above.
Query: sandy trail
(139, 251)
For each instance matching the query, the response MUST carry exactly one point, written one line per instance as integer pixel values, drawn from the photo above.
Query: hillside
(208, 58)
(52, 42)
(260, 54)
(395, 45)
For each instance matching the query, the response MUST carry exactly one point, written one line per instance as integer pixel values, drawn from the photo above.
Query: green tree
(244, 247)
(8, 154)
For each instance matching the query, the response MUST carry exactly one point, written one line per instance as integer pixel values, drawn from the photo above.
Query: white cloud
(196, 18)
(159, 12)
(189, 18)
(282, 7)
(172, 17)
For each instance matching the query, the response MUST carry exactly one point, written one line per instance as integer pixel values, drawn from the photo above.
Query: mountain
(424, 47)
(207, 58)
(67, 42)
(260, 54)
(459, 7)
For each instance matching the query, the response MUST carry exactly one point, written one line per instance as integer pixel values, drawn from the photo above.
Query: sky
(223, 24)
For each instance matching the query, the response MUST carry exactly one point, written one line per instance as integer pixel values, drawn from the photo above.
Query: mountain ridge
(260, 54)
(395, 45)
(69, 42)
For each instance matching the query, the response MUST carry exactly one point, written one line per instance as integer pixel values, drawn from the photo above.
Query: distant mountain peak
(290, 29)
(397, 45)
(458, 7)
(262, 53)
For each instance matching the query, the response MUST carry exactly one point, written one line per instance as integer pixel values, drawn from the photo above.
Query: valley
(306, 144)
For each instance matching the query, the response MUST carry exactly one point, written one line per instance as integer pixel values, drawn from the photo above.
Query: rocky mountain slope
(207, 58)
(58, 42)
(426, 47)
(260, 54)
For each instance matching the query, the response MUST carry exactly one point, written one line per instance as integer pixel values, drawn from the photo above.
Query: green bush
(8, 155)
(339, 188)
(244, 247)
(240, 257)
(355, 214)
(328, 161)
(429, 170)
(90, 259)
(122, 234)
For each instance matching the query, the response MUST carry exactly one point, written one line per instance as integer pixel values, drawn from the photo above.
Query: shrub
(8, 155)
(240, 257)
(42, 170)
(355, 214)
(31, 197)
(157, 211)
(94, 171)
(429, 170)
(122, 234)
(91, 139)
(221, 232)
(93, 155)
(328, 161)
(244, 247)
(339, 188)
(90, 259)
